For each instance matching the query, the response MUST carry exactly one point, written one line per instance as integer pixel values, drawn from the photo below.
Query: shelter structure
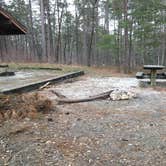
(9, 25)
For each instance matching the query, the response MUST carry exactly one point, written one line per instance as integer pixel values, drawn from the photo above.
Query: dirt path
(100, 133)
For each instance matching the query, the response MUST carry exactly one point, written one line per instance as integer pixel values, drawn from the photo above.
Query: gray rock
(121, 95)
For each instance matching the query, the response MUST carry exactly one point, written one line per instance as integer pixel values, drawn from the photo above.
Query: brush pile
(21, 106)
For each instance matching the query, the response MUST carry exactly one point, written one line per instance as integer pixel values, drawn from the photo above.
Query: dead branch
(58, 94)
(44, 86)
(91, 98)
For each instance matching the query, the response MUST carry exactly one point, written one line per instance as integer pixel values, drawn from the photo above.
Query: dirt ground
(98, 133)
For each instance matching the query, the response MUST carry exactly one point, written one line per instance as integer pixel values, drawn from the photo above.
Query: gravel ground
(98, 133)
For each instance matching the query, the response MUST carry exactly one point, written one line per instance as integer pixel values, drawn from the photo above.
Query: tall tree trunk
(42, 15)
(49, 33)
(77, 33)
(32, 40)
(89, 55)
(126, 41)
(130, 46)
(85, 35)
(106, 20)
(60, 17)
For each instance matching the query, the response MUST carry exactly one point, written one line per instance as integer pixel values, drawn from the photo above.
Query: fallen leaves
(19, 130)
(25, 105)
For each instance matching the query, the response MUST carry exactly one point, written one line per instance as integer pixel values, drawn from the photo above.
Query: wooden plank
(146, 83)
(156, 67)
(7, 73)
(4, 66)
(40, 68)
(36, 85)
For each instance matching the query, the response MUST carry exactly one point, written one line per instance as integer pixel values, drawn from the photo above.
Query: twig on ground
(44, 86)
(58, 94)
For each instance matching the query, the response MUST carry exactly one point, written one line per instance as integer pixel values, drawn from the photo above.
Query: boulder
(121, 95)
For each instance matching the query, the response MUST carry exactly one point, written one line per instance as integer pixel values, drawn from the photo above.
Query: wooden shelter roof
(9, 25)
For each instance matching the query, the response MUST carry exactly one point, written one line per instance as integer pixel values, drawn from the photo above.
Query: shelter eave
(9, 25)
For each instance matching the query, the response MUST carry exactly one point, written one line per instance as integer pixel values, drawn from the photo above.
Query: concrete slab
(23, 77)
(27, 82)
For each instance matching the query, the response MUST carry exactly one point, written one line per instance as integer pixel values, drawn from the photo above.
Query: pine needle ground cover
(21, 106)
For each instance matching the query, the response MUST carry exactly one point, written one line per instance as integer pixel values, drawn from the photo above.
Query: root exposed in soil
(25, 105)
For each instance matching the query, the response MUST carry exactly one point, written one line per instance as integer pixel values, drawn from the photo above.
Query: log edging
(36, 85)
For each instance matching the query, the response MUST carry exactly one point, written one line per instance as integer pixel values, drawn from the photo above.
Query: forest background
(122, 33)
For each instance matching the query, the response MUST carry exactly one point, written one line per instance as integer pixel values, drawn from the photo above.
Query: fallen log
(4, 66)
(39, 68)
(91, 98)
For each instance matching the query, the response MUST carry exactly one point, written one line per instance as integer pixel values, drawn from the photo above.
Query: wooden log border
(36, 85)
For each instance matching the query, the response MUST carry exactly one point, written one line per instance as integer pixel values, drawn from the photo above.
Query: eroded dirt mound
(21, 106)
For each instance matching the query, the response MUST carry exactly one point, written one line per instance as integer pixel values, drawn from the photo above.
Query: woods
(121, 33)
